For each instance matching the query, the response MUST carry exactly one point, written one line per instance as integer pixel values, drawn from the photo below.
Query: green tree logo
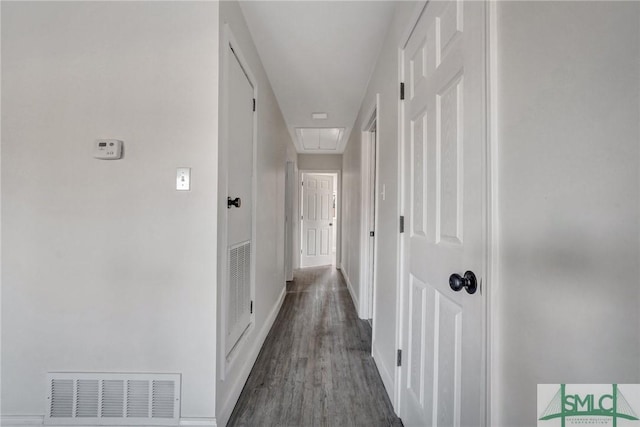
(565, 405)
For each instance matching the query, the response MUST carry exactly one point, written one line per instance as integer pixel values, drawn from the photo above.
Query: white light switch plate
(183, 179)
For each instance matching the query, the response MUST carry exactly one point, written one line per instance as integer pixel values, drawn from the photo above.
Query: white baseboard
(21, 420)
(356, 303)
(234, 390)
(387, 378)
(203, 422)
(38, 421)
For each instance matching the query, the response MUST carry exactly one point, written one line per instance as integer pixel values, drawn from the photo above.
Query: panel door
(239, 219)
(444, 121)
(317, 232)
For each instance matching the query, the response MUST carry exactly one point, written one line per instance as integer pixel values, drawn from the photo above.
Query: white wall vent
(239, 293)
(80, 398)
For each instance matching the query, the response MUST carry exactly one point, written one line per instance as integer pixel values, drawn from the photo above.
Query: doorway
(369, 209)
(444, 253)
(237, 213)
(319, 218)
(290, 196)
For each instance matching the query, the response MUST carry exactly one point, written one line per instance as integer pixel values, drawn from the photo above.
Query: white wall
(384, 81)
(106, 267)
(322, 162)
(568, 138)
(275, 148)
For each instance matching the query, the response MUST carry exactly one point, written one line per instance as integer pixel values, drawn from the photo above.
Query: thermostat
(108, 149)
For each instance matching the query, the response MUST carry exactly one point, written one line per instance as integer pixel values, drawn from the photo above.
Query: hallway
(315, 367)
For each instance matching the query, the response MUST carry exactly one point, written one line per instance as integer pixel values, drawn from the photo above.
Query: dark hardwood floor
(315, 368)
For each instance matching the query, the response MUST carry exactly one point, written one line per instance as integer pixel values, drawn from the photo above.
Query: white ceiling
(318, 56)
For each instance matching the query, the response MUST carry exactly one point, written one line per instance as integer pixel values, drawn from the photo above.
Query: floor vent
(76, 398)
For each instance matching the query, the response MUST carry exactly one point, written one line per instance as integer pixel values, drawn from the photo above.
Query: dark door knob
(468, 281)
(233, 202)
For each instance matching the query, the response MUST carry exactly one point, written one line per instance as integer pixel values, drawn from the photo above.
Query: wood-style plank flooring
(315, 368)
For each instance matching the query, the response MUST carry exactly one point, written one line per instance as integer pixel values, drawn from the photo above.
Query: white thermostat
(108, 149)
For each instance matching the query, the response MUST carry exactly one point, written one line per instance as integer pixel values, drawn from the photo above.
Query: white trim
(229, 40)
(350, 287)
(251, 354)
(204, 422)
(22, 420)
(296, 213)
(38, 420)
(493, 230)
(387, 379)
(290, 221)
(406, 35)
(400, 201)
(366, 310)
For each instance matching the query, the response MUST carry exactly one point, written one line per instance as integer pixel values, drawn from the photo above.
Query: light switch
(183, 179)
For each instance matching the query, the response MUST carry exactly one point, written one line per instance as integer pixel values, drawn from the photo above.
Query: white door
(444, 121)
(317, 220)
(239, 212)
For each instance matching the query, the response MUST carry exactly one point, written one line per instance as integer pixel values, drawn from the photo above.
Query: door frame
(489, 206)
(229, 42)
(290, 193)
(298, 209)
(367, 265)
(492, 314)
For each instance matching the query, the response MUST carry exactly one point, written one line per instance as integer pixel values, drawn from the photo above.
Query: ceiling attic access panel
(319, 139)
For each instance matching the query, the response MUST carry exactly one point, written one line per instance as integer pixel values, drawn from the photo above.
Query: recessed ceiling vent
(321, 139)
(319, 116)
(79, 398)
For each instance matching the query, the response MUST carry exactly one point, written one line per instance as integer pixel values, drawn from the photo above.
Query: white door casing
(239, 225)
(369, 203)
(317, 220)
(373, 140)
(289, 215)
(443, 362)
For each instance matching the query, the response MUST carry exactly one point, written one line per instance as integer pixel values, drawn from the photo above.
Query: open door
(442, 368)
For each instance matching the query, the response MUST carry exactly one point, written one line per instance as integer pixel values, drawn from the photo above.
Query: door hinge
(399, 358)
(402, 223)
(401, 91)
(372, 234)
(251, 307)
(302, 183)
(254, 104)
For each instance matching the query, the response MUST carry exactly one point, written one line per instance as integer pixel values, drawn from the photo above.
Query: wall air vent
(81, 398)
(239, 293)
